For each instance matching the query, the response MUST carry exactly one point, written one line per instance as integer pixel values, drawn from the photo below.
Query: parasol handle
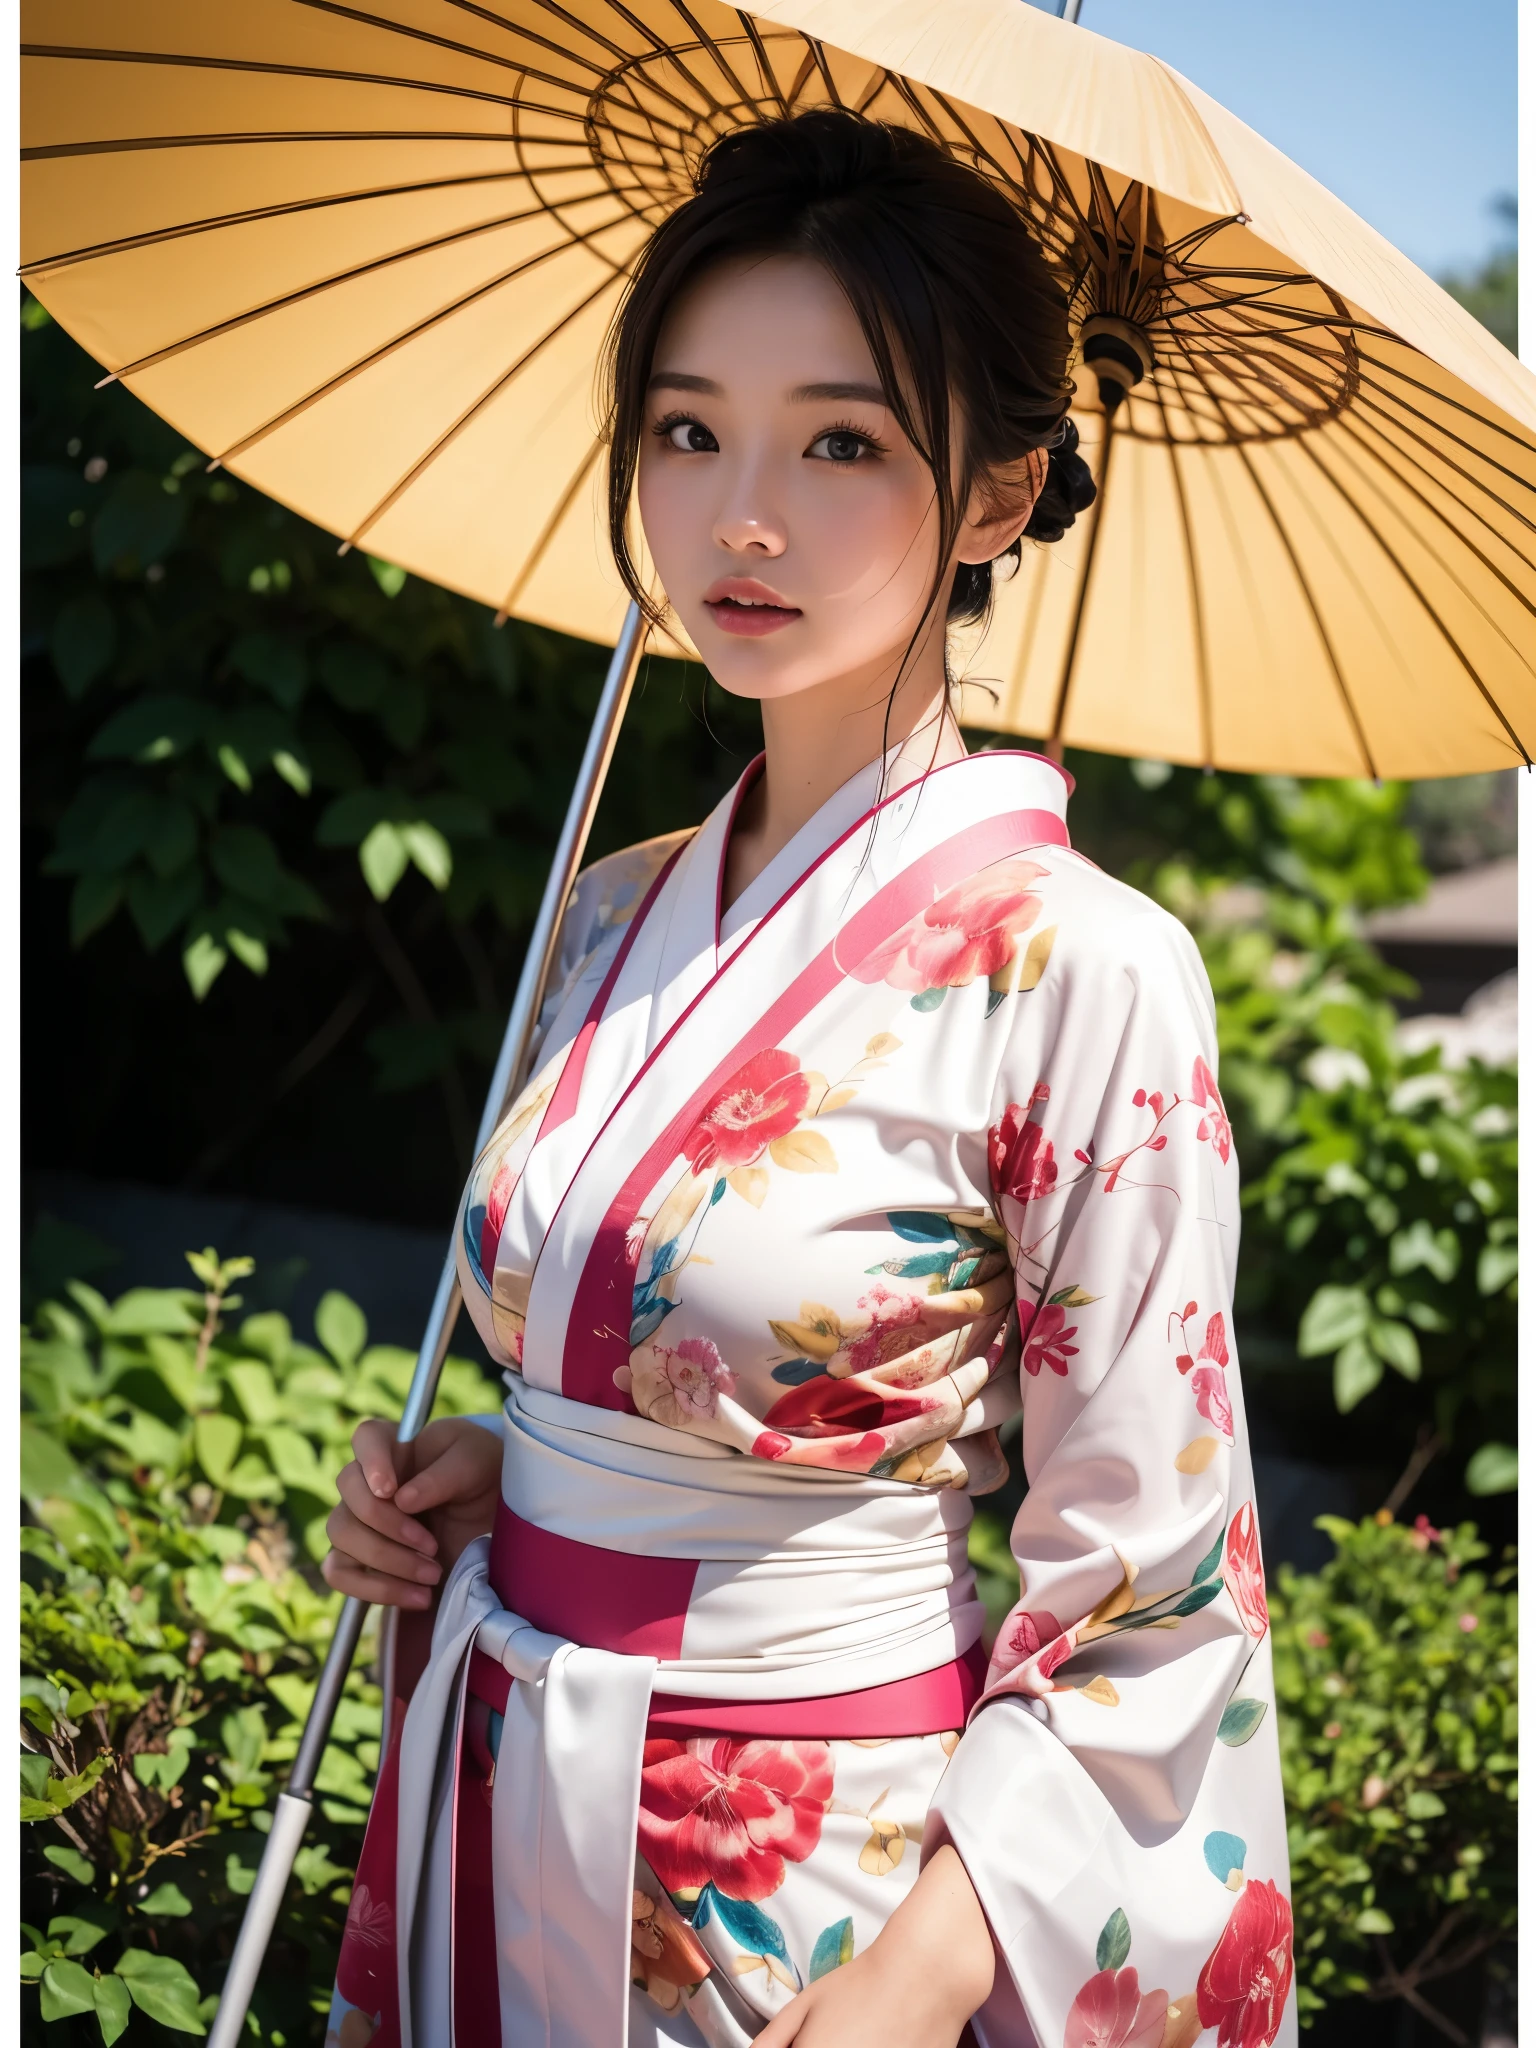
(294, 1803)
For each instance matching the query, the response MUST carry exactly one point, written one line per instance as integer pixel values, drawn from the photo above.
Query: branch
(1429, 1446)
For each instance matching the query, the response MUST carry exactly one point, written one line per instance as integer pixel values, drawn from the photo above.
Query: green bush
(1395, 1675)
(1395, 1670)
(177, 1472)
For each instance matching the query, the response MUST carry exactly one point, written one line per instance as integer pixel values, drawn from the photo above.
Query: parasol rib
(1303, 583)
(388, 348)
(1069, 660)
(1414, 585)
(341, 277)
(1372, 406)
(1431, 504)
(1197, 609)
(452, 433)
(548, 531)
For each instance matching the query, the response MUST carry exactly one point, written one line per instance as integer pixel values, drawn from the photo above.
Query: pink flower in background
(1244, 1571)
(1247, 1976)
(1214, 1123)
(1045, 1332)
(1021, 1161)
(1112, 2011)
(966, 935)
(730, 1813)
(764, 1099)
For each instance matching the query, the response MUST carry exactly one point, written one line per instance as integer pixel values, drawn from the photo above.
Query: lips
(742, 606)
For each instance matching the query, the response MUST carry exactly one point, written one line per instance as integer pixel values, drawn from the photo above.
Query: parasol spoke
(1196, 607)
(452, 433)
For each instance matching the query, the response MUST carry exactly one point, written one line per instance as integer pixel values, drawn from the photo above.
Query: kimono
(810, 1198)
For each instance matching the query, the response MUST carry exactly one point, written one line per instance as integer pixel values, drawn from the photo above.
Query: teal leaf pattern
(1224, 1853)
(929, 999)
(834, 1947)
(1114, 1941)
(753, 1931)
(1239, 1720)
(794, 1372)
(1211, 1559)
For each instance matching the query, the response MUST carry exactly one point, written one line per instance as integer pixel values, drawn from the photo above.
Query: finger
(364, 1546)
(382, 1515)
(373, 1587)
(379, 1453)
(465, 1470)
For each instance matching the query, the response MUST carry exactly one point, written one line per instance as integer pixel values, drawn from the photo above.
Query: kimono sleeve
(1098, 1768)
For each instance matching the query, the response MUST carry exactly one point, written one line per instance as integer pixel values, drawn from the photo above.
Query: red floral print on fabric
(1041, 1636)
(1021, 1161)
(828, 1407)
(1247, 1976)
(1214, 1124)
(1112, 2011)
(731, 1813)
(1045, 1331)
(896, 1327)
(764, 1099)
(1244, 1570)
(1207, 1373)
(967, 935)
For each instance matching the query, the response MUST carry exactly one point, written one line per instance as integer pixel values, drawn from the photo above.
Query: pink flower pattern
(968, 934)
(1214, 1125)
(1045, 1331)
(1112, 2011)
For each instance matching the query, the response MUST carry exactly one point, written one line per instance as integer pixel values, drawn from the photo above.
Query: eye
(842, 446)
(688, 437)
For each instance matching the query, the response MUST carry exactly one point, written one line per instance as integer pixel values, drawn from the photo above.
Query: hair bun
(1069, 488)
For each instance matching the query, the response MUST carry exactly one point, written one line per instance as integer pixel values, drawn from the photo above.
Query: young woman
(866, 1116)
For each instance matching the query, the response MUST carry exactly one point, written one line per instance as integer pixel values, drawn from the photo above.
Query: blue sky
(1405, 109)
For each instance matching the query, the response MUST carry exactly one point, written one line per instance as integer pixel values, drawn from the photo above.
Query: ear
(1000, 507)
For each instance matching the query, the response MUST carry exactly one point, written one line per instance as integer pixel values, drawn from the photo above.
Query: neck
(817, 739)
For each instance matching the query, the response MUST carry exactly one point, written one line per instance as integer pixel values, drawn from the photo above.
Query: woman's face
(793, 525)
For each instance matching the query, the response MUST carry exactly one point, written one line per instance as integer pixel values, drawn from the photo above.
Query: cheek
(673, 509)
(874, 540)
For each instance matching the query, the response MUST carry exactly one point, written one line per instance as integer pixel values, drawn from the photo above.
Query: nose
(745, 528)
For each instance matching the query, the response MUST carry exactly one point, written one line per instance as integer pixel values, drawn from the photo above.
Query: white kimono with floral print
(923, 1131)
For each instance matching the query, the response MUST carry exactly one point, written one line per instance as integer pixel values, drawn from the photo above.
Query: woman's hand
(916, 1984)
(408, 1511)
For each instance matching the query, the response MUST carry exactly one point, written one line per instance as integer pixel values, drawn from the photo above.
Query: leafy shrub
(1395, 1675)
(178, 1472)
(1395, 1670)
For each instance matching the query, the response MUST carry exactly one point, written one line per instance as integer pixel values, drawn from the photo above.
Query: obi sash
(703, 1591)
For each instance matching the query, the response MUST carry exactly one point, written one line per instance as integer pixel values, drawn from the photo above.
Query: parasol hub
(1119, 354)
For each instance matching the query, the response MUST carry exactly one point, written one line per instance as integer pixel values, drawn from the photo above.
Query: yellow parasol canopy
(364, 255)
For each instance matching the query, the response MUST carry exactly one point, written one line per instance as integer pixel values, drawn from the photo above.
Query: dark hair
(948, 283)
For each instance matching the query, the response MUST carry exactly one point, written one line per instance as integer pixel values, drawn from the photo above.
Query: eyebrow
(803, 394)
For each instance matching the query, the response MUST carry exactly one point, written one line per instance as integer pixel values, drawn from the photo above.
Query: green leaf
(112, 2007)
(430, 852)
(168, 1899)
(154, 728)
(80, 1932)
(160, 1770)
(1497, 1265)
(153, 1311)
(46, 1467)
(250, 951)
(235, 766)
(273, 663)
(1211, 1560)
(1333, 1317)
(1114, 1943)
(389, 579)
(293, 771)
(1493, 1468)
(34, 1774)
(67, 1988)
(1421, 1245)
(158, 904)
(383, 858)
(1396, 1343)
(834, 1947)
(341, 1327)
(355, 676)
(139, 525)
(1239, 1721)
(203, 961)
(81, 642)
(245, 860)
(1424, 1806)
(1356, 1372)
(216, 1439)
(1373, 1921)
(71, 1862)
(93, 902)
(162, 1988)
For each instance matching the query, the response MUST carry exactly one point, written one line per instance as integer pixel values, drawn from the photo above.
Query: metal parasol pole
(294, 1803)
